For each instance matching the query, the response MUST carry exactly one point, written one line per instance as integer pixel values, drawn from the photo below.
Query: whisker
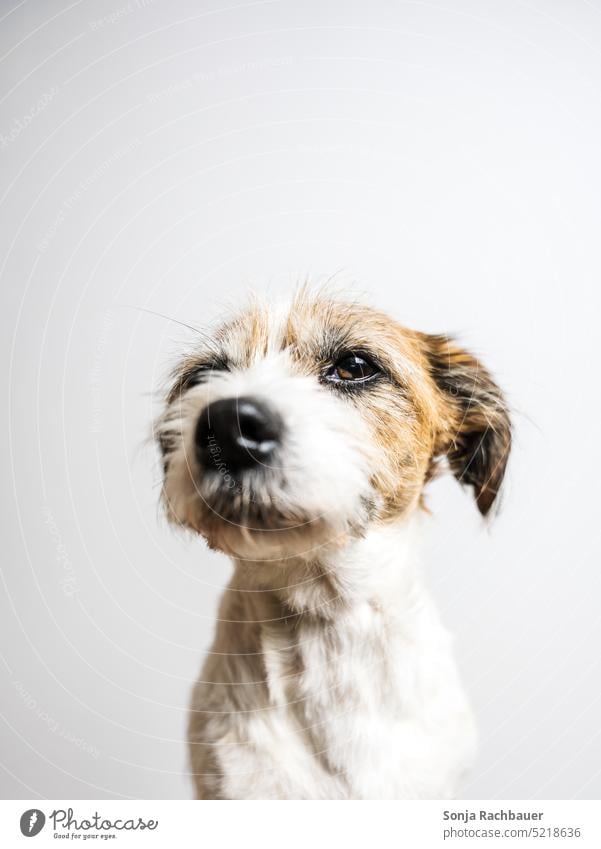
(162, 315)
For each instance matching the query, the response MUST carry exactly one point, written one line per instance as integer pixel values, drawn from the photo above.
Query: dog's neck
(372, 568)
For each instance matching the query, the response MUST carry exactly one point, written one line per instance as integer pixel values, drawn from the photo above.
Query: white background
(443, 158)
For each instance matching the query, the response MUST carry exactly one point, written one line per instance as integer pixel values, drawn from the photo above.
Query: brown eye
(352, 368)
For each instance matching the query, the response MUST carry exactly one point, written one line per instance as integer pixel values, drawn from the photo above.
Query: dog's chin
(261, 545)
(261, 530)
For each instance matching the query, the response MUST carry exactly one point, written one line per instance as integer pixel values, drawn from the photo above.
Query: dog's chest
(375, 697)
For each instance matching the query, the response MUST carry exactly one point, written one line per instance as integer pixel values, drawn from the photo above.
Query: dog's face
(293, 429)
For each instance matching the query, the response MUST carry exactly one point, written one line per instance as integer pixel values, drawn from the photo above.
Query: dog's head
(292, 429)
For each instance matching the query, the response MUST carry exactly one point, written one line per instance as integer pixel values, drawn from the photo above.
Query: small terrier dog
(299, 440)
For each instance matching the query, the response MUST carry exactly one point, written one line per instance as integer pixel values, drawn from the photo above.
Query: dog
(298, 440)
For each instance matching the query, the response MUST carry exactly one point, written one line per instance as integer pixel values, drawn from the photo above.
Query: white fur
(360, 700)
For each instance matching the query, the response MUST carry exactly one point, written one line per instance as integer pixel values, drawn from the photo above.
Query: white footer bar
(311, 825)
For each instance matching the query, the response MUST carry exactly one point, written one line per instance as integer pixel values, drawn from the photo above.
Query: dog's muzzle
(237, 434)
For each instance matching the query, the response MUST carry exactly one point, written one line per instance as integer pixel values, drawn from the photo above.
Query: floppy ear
(476, 436)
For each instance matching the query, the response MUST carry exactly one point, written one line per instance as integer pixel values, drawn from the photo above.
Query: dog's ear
(476, 430)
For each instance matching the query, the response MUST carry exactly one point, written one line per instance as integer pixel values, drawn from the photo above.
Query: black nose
(236, 434)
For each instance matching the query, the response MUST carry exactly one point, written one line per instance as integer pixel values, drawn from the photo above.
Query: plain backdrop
(441, 158)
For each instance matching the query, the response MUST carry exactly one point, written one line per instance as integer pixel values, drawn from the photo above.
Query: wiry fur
(330, 676)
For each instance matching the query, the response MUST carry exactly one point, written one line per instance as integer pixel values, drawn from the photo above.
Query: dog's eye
(353, 368)
(199, 374)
